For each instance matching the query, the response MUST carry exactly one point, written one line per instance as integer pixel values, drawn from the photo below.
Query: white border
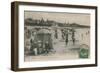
(23, 64)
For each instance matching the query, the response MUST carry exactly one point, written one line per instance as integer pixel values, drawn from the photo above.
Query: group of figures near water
(44, 40)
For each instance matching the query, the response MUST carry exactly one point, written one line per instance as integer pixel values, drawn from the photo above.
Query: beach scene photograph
(50, 36)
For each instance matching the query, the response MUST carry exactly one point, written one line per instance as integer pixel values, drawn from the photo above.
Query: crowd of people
(42, 44)
(39, 43)
(65, 35)
(38, 48)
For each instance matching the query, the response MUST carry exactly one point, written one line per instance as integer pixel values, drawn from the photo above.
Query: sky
(82, 19)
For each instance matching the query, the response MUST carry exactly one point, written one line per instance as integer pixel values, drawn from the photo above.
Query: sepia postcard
(56, 36)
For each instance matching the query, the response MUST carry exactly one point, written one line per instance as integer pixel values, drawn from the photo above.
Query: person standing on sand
(73, 36)
(66, 37)
(47, 47)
